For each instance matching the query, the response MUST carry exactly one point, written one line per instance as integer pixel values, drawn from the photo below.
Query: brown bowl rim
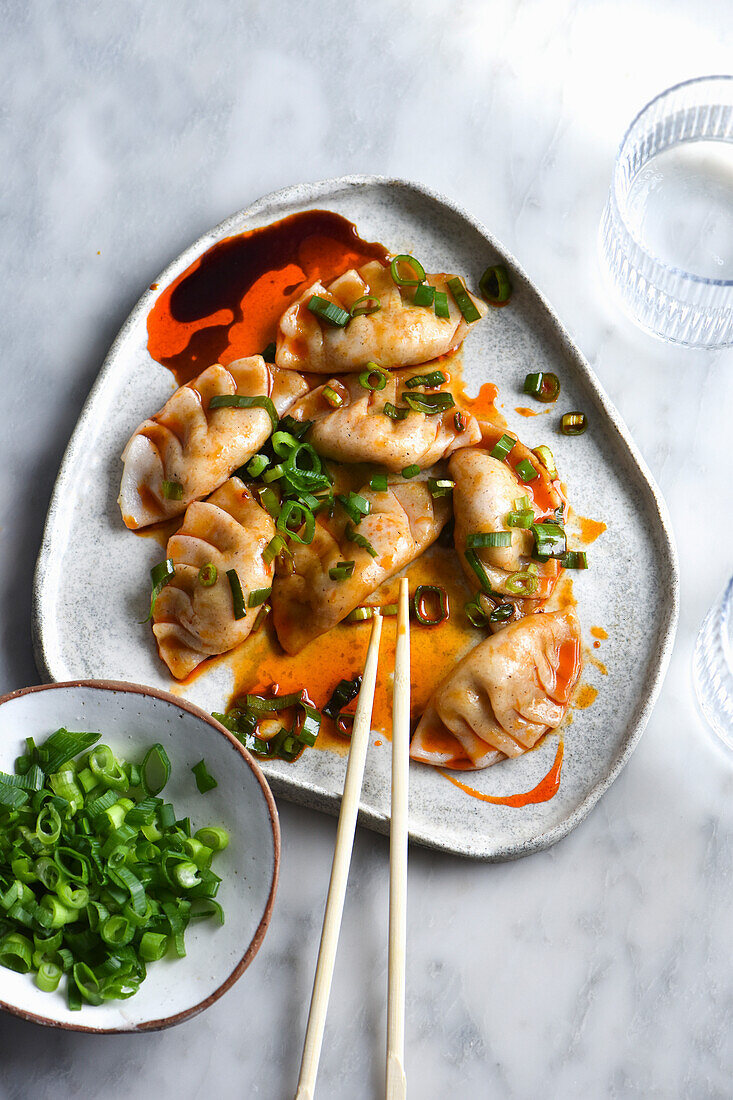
(259, 935)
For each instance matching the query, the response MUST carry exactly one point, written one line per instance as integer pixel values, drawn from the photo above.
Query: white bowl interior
(130, 722)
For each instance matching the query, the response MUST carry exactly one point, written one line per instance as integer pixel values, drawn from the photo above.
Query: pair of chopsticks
(396, 1088)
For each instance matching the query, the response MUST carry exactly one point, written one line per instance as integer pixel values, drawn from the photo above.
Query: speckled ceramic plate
(90, 590)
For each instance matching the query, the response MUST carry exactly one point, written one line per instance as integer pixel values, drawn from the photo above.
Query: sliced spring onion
(261, 617)
(345, 723)
(208, 575)
(425, 596)
(440, 486)
(388, 609)
(329, 312)
(424, 295)
(410, 471)
(258, 597)
(293, 517)
(503, 447)
(440, 302)
(239, 607)
(273, 548)
(574, 559)
(374, 377)
(573, 423)
(549, 539)
(495, 286)
(341, 571)
(172, 490)
(524, 519)
(353, 536)
(525, 471)
(335, 400)
(242, 401)
(475, 613)
(432, 379)
(160, 575)
(257, 465)
(269, 352)
(298, 428)
(543, 385)
(523, 583)
(463, 300)
(204, 781)
(379, 483)
(473, 560)
(269, 500)
(395, 412)
(502, 613)
(368, 303)
(355, 506)
(487, 539)
(360, 615)
(546, 457)
(155, 770)
(429, 403)
(410, 262)
(460, 421)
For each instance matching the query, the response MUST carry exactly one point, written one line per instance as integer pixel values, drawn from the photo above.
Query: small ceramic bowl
(130, 719)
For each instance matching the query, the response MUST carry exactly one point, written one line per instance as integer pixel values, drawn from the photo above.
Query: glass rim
(673, 269)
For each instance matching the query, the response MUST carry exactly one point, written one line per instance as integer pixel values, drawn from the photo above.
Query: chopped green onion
(431, 380)
(365, 305)
(48, 976)
(293, 516)
(204, 781)
(240, 401)
(414, 265)
(213, 837)
(503, 447)
(442, 309)
(353, 536)
(473, 560)
(574, 559)
(329, 312)
(282, 443)
(425, 592)
(160, 575)
(502, 614)
(545, 386)
(355, 506)
(488, 539)
(395, 412)
(270, 501)
(573, 423)
(410, 471)
(156, 769)
(475, 613)
(262, 615)
(269, 353)
(341, 571)
(463, 300)
(424, 295)
(360, 615)
(440, 487)
(429, 403)
(374, 377)
(335, 400)
(495, 286)
(379, 483)
(16, 953)
(273, 548)
(549, 540)
(172, 490)
(257, 465)
(525, 471)
(388, 609)
(524, 519)
(208, 575)
(258, 597)
(238, 605)
(460, 421)
(547, 459)
(523, 583)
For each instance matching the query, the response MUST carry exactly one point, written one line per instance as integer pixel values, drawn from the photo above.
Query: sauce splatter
(585, 697)
(546, 789)
(590, 529)
(526, 412)
(599, 632)
(227, 303)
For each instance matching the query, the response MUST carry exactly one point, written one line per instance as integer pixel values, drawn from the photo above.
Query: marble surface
(601, 967)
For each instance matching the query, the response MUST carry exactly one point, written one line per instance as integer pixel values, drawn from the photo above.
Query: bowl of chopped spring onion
(139, 855)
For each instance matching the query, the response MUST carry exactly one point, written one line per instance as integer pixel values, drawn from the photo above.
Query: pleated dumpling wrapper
(397, 334)
(192, 621)
(404, 520)
(486, 491)
(360, 431)
(506, 694)
(193, 448)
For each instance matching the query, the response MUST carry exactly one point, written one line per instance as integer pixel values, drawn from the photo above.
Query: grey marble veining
(603, 966)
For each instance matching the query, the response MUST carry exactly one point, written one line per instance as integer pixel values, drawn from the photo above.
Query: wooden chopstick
(396, 1081)
(339, 869)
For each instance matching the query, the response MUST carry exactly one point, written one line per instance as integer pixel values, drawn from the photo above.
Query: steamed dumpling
(484, 493)
(403, 522)
(196, 447)
(360, 431)
(398, 334)
(191, 622)
(504, 695)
